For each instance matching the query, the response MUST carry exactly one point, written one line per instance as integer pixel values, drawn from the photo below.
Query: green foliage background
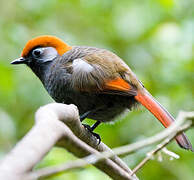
(154, 37)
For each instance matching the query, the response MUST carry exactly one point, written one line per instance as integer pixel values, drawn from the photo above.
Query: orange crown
(46, 41)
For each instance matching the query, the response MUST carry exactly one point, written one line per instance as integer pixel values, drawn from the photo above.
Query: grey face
(38, 55)
(43, 54)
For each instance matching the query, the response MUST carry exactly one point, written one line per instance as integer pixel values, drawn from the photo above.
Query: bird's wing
(102, 72)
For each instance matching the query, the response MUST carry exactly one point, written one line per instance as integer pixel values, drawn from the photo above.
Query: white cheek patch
(81, 65)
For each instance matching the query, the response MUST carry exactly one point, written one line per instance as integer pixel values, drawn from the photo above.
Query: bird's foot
(93, 133)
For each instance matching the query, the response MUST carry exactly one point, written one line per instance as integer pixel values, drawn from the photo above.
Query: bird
(96, 80)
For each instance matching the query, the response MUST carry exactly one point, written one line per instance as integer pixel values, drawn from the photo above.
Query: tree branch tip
(186, 115)
(172, 154)
(160, 158)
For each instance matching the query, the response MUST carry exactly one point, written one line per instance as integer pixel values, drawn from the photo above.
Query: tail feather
(183, 142)
(162, 115)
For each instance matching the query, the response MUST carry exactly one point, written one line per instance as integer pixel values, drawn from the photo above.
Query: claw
(93, 133)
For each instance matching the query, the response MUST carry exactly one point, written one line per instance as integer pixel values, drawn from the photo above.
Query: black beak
(20, 60)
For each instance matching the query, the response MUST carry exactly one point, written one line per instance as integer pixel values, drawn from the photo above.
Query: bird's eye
(37, 52)
(43, 54)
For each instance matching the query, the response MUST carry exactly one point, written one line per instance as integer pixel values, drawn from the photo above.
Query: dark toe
(93, 133)
(87, 127)
(97, 137)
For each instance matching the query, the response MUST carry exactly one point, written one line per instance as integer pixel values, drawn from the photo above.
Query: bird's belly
(107, 114)
(103, 107)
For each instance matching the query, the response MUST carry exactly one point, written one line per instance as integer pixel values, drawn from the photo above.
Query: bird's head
(41, 50)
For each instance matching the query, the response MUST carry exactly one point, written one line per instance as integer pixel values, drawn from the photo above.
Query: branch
(50, 127)
(184, 121)
(160, 146)
(185, 117)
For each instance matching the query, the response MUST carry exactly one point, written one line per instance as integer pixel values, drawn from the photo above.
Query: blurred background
(154, 37)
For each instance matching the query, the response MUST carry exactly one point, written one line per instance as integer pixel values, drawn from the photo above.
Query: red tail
(162, 115)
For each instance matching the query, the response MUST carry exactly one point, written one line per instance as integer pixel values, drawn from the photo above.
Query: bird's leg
(94, 126)
(84, 115)
(90, 129)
